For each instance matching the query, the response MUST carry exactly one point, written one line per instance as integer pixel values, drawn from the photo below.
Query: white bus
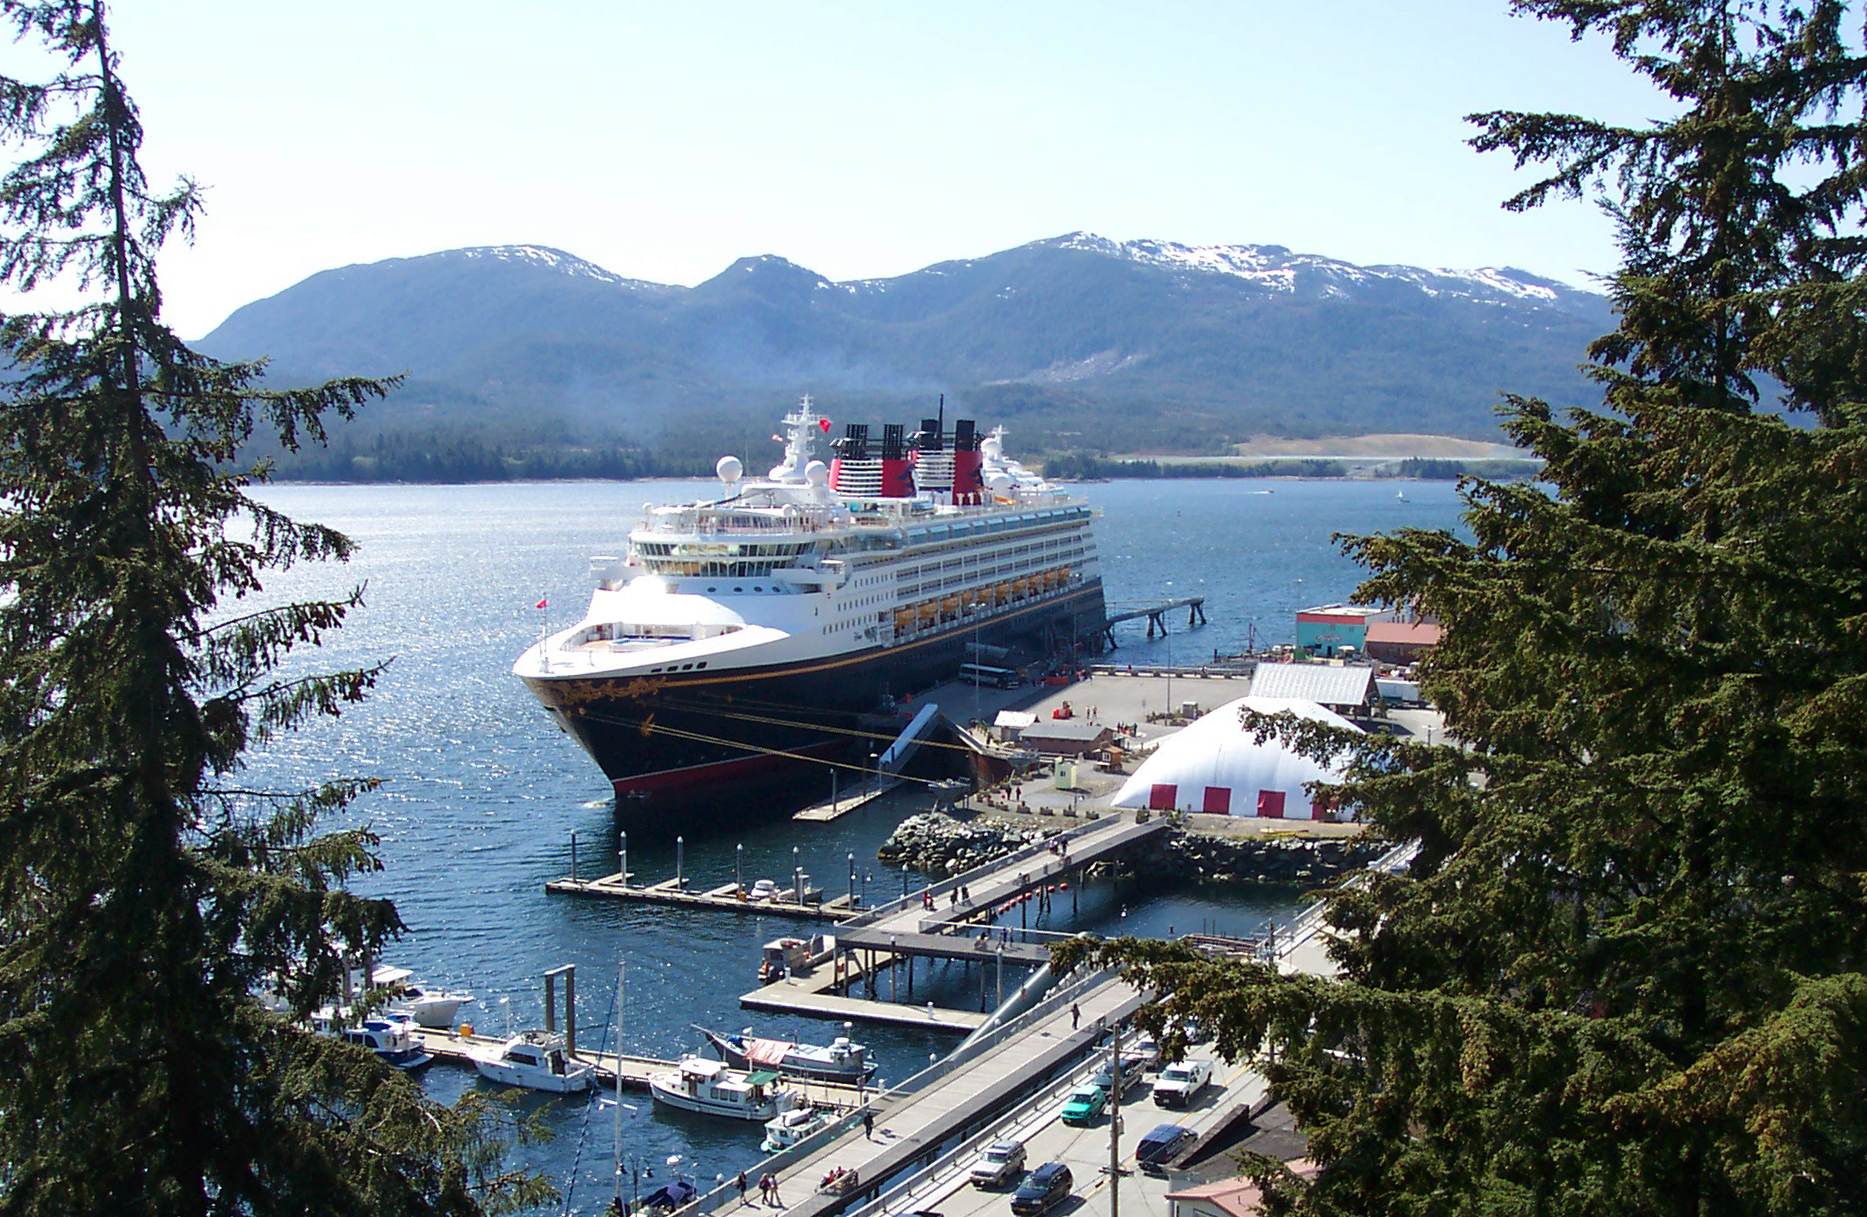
(984, 674)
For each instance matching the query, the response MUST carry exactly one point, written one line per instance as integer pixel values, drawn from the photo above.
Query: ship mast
(802, 426)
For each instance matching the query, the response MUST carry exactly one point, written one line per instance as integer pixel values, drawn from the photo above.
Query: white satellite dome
(1216, 766)
(729, 470)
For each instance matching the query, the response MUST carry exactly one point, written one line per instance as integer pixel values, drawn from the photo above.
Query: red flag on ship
(823, 424)
(541, 602)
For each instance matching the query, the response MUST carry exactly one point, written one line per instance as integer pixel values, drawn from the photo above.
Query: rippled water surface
(482, 793)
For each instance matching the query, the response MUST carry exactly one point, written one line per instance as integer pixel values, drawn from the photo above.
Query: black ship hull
(754, 742)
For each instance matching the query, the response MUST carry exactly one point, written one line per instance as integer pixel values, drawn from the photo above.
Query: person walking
(742, 1187)
(1076, 1016)
(764, 1188)
(777, 1201)
(868, 1126)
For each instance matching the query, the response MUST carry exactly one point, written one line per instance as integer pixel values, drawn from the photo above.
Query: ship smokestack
(968, 480)
(897, 475)
(851, 449)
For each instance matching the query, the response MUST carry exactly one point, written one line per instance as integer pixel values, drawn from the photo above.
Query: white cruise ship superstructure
(745, 639)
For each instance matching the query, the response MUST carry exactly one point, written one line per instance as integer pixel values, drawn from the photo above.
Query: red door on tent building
(1271, 804)
(1160, 796)
(1218, 801)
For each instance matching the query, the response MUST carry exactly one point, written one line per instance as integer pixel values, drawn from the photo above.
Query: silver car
(1000, 1165)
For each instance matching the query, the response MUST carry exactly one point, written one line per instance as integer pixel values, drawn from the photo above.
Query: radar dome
(1001, 485)
(993, 447)
(729, 469)
(817, 473)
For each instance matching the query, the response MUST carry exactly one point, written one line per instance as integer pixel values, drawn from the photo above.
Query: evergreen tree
(1624, 972)
(144, 894)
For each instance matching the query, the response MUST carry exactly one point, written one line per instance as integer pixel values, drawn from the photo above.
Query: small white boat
(707, 1086)
(536, 1060)
(391, 1037)
(788, 1128)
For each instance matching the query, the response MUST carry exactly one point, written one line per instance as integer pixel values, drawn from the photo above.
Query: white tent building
(1217, 767)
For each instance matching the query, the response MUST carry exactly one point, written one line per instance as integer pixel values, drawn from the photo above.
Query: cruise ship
(748, 644)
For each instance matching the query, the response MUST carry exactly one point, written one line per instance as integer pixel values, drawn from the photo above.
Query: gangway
(883, 775)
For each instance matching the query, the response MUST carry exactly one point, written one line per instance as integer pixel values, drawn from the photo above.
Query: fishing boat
(707, 1086)
(841, 1060)
(536, 1060)
(746, 639)
(786, 1129)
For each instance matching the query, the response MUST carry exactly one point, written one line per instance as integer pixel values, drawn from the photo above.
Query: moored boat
(746, 638)
(391, 1037)
(841, 1060)
(536, 1060)
(786, 1129)
(711, 1088)
(432, 1008)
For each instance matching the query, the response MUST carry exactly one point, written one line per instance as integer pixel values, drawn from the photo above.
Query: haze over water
(482, 792)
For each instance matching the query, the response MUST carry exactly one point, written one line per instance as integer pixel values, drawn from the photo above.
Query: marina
(478, 807)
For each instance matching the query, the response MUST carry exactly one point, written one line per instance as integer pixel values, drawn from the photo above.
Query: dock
(631, 1071)
(725, 898)
(1156, 615)
(843, 804)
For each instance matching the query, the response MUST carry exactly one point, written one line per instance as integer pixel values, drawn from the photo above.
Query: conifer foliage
(144, 894)
(1624, 972)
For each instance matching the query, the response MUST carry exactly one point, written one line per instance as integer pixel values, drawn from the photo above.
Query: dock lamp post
(680, 861)
(622, 852)
(852, 879)
(904, 881)
(875, 773)
(739, 868)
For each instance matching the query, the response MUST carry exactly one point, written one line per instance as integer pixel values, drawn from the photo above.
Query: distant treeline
(1082, 466)
(452, 456)
(1438, 470)
(467, 458)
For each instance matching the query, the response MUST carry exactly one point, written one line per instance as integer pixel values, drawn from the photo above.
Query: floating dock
(633, 1071)
(727, 897)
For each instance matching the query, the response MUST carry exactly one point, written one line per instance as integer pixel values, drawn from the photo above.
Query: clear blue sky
(662, 141)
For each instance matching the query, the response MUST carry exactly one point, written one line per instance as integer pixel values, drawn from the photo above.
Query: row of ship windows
(720, 549)
(1067, 557)
(1046, 545)
(975, 528)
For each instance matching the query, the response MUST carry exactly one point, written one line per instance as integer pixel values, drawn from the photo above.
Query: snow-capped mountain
(1144, 340)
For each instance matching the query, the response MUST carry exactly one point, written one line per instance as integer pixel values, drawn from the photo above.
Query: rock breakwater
(938, 845)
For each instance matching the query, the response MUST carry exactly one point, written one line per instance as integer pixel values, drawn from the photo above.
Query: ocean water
(481, 793)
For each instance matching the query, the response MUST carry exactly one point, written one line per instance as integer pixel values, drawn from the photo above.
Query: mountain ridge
(1156, 345)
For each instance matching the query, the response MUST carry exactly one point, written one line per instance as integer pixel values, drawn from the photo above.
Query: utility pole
(1115, 1124)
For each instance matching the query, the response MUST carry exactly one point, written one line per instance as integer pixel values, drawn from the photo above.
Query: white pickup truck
(1178, 1085)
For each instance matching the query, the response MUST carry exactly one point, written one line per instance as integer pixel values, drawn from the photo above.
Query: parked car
(1000, 1164)
(1043, 1190)
(1160, 1145)
(1179, 1084)
(1132, 1066)
(1085, 1104)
